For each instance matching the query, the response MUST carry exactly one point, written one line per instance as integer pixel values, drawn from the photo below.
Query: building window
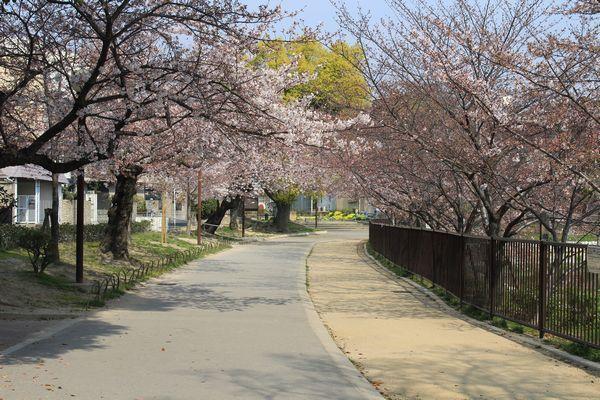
(26, 209)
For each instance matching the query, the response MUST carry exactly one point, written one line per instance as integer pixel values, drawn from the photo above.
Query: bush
(95, 233)
(141, 227)
(141, 204)
(209, 207)
(9, 236)
(344, 216)
(37, 244)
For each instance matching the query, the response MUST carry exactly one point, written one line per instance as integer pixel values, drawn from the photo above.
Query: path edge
(348, 370)
(41, 335)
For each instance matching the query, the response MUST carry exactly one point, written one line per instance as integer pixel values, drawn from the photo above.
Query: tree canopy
(333, 82)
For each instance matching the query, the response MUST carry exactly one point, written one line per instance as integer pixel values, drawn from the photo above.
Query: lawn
(257, 228)
(54, 291)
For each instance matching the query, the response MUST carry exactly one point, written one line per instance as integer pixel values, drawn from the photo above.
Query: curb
(296, 235)
(348, 370)
(41, 335)
(259, 239)
(535, 344)
(38, 316)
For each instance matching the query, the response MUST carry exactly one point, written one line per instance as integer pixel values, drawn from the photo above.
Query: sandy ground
(409, 348)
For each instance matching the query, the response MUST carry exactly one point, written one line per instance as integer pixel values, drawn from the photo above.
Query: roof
(30, 172)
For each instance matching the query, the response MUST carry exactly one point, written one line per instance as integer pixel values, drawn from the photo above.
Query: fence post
(542, 289)
(492, 274)
(462, 270)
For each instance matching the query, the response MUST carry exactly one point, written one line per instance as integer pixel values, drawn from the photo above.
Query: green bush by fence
(10, 234)
(94, 233)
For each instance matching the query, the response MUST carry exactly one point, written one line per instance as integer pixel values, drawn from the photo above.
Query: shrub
(9, 236)
(95, 233)
(209, 207)
(141, 227)
(37, 244)
(141, 204)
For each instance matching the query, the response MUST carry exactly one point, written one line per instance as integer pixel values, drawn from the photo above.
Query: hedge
(94, 233)
(10, 234)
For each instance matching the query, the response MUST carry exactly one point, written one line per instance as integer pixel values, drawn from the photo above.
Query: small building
(327, 203)
(32, 187)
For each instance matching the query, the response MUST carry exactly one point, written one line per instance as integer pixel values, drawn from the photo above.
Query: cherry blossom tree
(457, 118)
(106, 69)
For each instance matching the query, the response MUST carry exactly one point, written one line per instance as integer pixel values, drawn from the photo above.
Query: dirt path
(410, 348)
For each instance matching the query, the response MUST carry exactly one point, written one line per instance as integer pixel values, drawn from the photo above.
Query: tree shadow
(86, 334)
(477, 371)
(160, 298)
(286, 376)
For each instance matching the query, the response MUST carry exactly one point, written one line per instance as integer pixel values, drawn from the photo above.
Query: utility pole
(79, 229)
(174, 210)
(188, 229)
(199, 210)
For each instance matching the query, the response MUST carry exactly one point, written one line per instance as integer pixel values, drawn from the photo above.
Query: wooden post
(79, 229)
(316, 212)
(243, 216)
(188, 230)
(164, 218)
(199, 210)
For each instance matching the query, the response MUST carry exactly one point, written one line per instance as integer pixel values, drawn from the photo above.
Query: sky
(317, 12)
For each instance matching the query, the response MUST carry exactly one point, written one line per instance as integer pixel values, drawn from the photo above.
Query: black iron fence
(544, 285)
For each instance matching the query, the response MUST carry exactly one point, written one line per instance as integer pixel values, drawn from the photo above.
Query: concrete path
(412, 349)
(236, 325)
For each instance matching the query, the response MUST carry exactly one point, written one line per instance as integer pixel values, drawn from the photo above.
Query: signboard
(251, 203)
(593, 259)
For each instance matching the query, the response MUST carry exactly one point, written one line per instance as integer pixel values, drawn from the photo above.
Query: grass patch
(262, 228)
(54, 289)
(578, 349)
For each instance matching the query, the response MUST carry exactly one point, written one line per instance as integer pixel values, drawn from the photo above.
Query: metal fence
(543, 285)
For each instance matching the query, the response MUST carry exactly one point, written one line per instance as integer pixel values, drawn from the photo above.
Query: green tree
(336, 85)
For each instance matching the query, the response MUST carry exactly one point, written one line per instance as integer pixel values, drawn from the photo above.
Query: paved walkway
(411, 349)
(236, 325)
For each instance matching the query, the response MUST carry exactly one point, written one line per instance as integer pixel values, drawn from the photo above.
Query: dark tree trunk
(54, 227)
(116, 236)
(214, 220)
(282, 217)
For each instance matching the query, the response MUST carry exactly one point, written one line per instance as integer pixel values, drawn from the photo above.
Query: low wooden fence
(108, 285)
(543, 285)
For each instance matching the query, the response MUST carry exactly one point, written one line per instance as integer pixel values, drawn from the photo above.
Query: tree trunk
(214, 220)
(282, 217)
(235, 214)
(116, 236)
(54, 227)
